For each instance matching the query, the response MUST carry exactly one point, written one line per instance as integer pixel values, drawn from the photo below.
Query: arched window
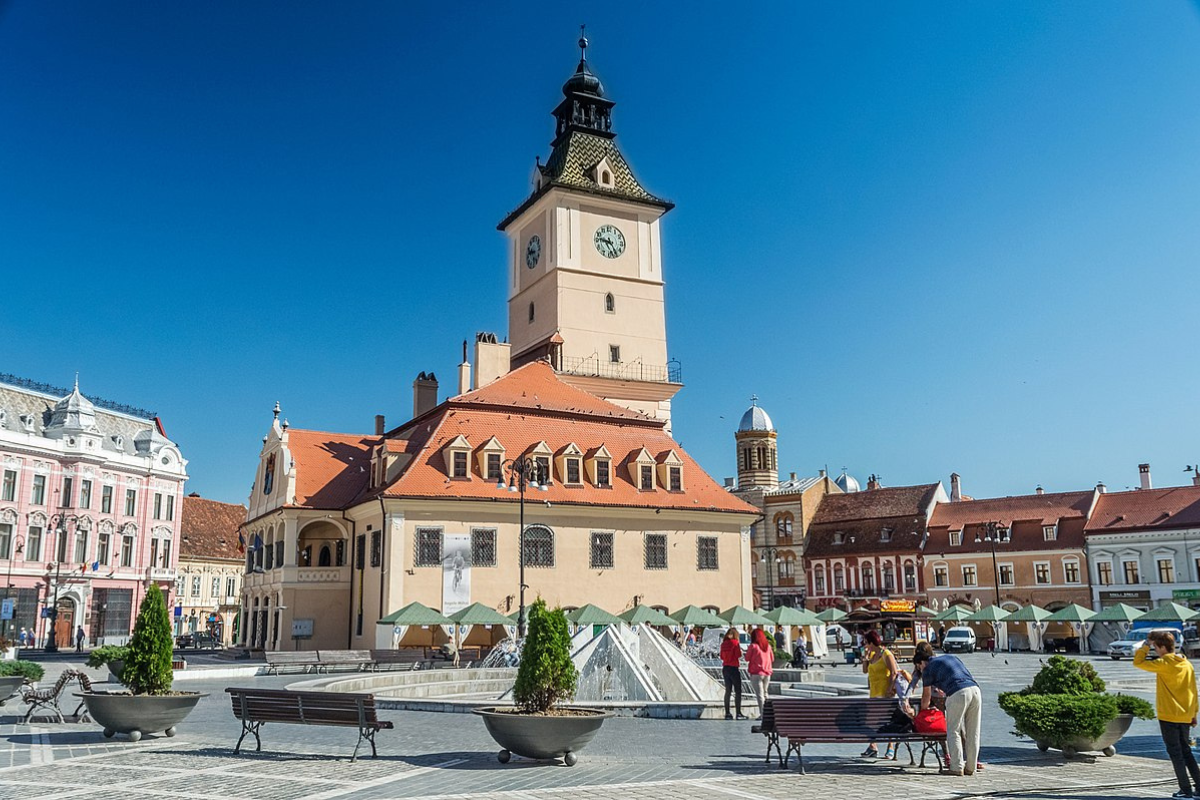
(819, 580)
(531, 312)
(326, 557)
(538, 546)
(787, 567)
(839, 579)
(868, 578)
(910, 577)
(606, 178)
(610, 303)
(783, 525)
(889, 578)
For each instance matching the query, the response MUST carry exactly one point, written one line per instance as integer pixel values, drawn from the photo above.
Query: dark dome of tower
(584, 81)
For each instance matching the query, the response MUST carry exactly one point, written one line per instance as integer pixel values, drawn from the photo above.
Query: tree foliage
(148, 660)
(546, 675)
(31, 671)
(102, 656)
(1066, 676)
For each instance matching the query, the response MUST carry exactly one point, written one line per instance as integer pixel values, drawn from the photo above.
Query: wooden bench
(278, 659)
(805, 720)
(359, 659)
(405, 659)
(256, 707)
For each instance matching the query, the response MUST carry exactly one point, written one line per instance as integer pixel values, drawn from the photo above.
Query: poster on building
(456, 572)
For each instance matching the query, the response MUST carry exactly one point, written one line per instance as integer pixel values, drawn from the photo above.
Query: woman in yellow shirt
(880, 666)
(1175, 703)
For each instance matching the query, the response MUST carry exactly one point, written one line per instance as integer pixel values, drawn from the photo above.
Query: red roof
(1154, 509)
(536, 388)
(1025, 516)
(209, 529)
(875, 521)
(331, 468)
(897, 501)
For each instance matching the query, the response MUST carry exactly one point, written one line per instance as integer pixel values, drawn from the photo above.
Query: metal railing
(58, 391)
(592, 366)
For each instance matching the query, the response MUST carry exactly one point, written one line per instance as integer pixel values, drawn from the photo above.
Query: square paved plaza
(451, 755)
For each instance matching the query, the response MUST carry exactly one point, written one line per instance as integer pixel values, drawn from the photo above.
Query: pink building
(90, 500)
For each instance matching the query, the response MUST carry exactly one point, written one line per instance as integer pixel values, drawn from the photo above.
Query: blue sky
(931, 238)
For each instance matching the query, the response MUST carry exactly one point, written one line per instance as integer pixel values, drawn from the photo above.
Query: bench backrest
(317, 708)
(344, 656)
(396, 656)
(818, 717)
(292, 657)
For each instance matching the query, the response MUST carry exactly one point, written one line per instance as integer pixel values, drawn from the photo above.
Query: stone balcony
(159, 574)
(293, 574)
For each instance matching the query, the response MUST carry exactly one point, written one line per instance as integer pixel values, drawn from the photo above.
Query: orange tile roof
(535, 387)
(331, 468)
(1024, 515)
(209, 529)
(1155, 509)
(897, 501)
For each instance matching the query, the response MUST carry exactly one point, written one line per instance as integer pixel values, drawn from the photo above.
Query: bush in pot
(546, 674)
(149, 705)
(110, 655)
(29, 670)
(1067, 708)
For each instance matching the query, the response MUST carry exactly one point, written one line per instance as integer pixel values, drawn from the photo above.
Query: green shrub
(148, 660)
(32, 672)
(1063, 675)
(1057, 718)
(102, 656)
(782, 655)
(1128, 704)
(546, 675)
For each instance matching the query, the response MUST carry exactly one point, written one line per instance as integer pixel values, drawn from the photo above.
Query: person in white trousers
(964, 704)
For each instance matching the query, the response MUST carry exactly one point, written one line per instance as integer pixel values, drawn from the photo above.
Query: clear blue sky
(931, 237)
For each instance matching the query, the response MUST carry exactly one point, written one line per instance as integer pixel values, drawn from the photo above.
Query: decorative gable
(490, 460)
(569, 463)
(603, 174)
(458, 458)
(641, 470)
(599, 467)
(670, 470)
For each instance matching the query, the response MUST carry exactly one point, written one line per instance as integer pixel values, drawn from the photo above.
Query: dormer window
(885, 535)
(1049, 532)
(646, 479)
(570, 464)
(955, 538)
(670, 470)
(540, 455)
(839, 537)
(490, 460)
(603, 479)
(460, 464)
(641, 470)
(599, 467)
(603, 175)
(458, 458)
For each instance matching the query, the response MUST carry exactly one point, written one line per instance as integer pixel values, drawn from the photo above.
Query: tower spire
(583, 43)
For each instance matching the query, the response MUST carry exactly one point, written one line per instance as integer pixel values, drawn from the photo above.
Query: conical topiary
(546, 675)
(148, 662)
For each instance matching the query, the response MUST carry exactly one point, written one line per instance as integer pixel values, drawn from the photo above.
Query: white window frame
(974, 574)
(1049, 573)
(1049, 533)
(1112, 572)
(944, 569)
(956, 538)
(1124, 572)
(1000, 574)
(1078, 571)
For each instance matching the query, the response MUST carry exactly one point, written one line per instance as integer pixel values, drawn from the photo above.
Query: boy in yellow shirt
(1176, 704)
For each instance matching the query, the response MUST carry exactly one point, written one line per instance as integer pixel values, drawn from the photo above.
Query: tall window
(602, 550)
(675, 475)
(269, 475)
(1104, 573)
(130, 502)
(38, 495)
(429, 547)
(1006, 575)
(1071, 571)
(493, 467)
(706, 553)
(539, 546)
(889, 577)
(9, 489)
(166, 553)
(195, 586)
(170, 507)
(268, 555)
(543, 468)
(839, 579)
(1041, 572)
(6, 539)
(1131, 572)
(85, 493)
(910, 577)
(127, 550)
(103, 543)
(158, 505)
(216, 588)
(610, 303)
(68, 492)
(61, 533)
(81, 541)
(969, 576)
(531, 312)
(647, 473)
(783, 526)
(819, 581)
(614, 353)
(483, 547)
(868, 578)
(602, 467)
(360, 551)
(940, 576)
(656, 551)
(460, 463)
(106, 493)
(231, 587)
(377, 547)
(33, 545)
(1166, 570)
(573, 470)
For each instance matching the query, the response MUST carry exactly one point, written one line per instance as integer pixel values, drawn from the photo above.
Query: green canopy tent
(1079, 618)
(415, 625)
(485, 626)
(924, 611)
(953, 615)
(1168, 612)
(736, 615)
(993, 615)
(646, 615)
(589, 616)
(831, 614)
(1031, 616)
(696, 617)
(1118, 613)
(793, 617)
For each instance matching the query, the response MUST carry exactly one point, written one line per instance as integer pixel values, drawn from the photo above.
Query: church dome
(755, 419)
(584, 81)
(73, 413)
(847, 483)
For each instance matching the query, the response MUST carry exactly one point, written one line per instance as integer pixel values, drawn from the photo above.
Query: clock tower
(585, 279)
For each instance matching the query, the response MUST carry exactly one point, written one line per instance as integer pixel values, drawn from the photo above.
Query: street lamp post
(58, 523)
(994, 533)
(523, 472)
(18, 549)
(768, 554)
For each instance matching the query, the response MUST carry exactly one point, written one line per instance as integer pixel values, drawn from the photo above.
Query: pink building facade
(91, 495)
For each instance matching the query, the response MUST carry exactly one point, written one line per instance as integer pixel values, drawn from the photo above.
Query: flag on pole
(241, 542)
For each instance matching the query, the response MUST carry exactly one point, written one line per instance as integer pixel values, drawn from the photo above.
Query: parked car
(959, 639)
(1123, 648)
(831, 634)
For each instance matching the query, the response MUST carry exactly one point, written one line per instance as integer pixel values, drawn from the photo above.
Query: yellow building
(210, 568)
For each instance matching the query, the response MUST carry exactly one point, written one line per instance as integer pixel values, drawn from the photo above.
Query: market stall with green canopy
(993, 616)
(1032, 618)
(414, 625)
(1168, 612)
(482, 626)
(589, 620)
(1074, 620)
(788, 619)
(739, 616)
(831, 614)
(648, 615)
(696, 617)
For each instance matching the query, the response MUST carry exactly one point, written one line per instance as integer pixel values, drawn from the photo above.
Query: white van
(831, 634)
(959, 639)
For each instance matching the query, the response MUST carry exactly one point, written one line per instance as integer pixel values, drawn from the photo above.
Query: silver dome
(755, 419)
(847, 483)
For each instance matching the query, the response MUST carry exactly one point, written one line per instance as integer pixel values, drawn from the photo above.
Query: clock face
(610, 242)
(533, 251)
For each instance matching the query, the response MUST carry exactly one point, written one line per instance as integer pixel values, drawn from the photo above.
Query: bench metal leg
(773, 742)
(249, 727)
(800, 757)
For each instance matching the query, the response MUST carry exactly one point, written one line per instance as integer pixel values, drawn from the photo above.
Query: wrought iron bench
(805, 720)
(49, 698)
(256, 707)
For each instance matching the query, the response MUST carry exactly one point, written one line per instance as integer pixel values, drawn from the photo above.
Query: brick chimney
(380, 428)
(464, 372)
(425, 392)
(1144, 474)
(1039, 490)
(1101, 488)
(872, 482)
(955, 487)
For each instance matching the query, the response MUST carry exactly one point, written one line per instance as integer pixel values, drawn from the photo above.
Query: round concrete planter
(136, 714)
(9, 687)
(1106, 744)
(539, 737)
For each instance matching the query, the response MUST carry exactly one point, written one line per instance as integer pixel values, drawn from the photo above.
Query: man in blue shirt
(963, 705)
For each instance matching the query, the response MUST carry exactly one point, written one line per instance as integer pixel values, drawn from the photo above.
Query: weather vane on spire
(583, 42)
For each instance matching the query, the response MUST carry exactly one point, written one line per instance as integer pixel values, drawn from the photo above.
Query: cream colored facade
(208, 590)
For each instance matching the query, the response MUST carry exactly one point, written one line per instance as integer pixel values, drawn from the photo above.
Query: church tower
(585, 283)
(756, 455)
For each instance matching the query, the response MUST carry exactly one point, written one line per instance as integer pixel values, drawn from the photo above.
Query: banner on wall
(456, 572)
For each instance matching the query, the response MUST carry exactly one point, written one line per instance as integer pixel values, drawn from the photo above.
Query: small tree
(148, 660)
(546, 675)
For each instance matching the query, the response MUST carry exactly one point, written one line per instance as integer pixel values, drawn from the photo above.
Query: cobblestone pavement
(450, 756)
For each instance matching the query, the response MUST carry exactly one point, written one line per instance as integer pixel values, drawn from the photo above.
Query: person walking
(80, 636)
(964, 704)
(880, 667)
(23, 639)
(759, 660)
(731, 672)
(800, 653)
(841, 643)
(1175, 703)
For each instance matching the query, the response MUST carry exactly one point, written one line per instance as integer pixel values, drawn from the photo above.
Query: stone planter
(137, 714)
(541, 737)
(1106, 744)
(9, 687)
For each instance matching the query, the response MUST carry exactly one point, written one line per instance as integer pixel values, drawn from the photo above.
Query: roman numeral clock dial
(609, 241)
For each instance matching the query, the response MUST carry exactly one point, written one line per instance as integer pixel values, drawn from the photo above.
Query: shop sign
(1185, 594)
(898, 606)
(1122, 597)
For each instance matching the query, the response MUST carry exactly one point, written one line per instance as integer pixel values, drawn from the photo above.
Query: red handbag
(930, 721)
